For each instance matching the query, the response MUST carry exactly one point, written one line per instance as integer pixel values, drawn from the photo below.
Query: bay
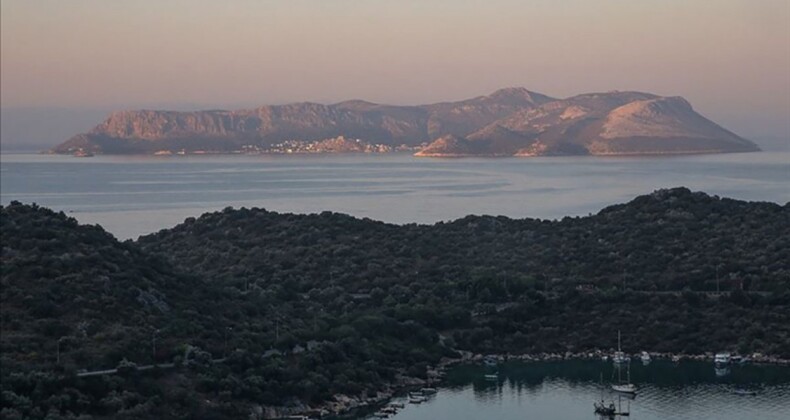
(134, 195)
(568, 389)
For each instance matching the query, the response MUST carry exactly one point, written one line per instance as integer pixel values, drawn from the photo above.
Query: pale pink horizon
(729, 58)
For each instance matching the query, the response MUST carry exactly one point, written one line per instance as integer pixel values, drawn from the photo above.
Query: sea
(568, 389)
(135, 195)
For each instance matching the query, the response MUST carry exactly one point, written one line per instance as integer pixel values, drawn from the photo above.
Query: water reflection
(569, 389)
(721, 371)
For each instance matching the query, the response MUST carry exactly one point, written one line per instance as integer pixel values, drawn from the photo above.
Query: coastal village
(339, 144)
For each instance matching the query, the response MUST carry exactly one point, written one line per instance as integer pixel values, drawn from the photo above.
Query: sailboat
(601, 408)
(620, 357)
(627, 387)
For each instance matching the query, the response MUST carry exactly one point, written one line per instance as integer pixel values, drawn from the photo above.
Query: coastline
(343, 406)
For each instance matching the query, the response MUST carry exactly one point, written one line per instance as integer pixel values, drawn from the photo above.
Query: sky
(80, 59)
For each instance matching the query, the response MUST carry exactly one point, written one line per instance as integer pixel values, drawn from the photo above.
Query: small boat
(602, 409)
(428, 391)
(416, 398)
(676, 359)
(381, 415)
(624, 387)
(741, 391)
(389, 410)
(490, 361)
(620, 358)
(722, 359)
(645, 357)
(492, 377)
(396, 405)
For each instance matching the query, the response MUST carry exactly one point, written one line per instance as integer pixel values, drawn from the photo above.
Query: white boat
(490, 361)
(645, 356)
(620, 357)
(624, 387)
(722, 359)
(492, 377)
(742, 391)
(416, 399)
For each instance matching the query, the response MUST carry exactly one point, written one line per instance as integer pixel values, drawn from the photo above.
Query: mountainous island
(248, 313)
(508, 122)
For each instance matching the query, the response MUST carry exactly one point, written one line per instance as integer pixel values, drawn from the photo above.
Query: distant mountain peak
(519, 94)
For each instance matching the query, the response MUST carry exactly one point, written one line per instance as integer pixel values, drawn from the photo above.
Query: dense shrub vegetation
(256, 307)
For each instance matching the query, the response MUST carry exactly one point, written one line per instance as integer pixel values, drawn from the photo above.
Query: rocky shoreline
(345, 405)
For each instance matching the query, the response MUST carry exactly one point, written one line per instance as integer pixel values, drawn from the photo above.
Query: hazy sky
(730, 58)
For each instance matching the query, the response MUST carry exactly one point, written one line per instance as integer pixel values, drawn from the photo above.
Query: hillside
(285, 310)
(148, 131)
(612, 123)
(70, 282)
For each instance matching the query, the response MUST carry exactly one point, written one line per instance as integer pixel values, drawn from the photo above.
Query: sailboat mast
(618, 340)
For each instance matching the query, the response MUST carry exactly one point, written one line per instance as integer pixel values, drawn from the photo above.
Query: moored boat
(645, 357)
(492, 376)
(722, 359)
(389, 410)
(741, 391)
(416, 398)
(624, 387)
(490, 361)
(602, 409)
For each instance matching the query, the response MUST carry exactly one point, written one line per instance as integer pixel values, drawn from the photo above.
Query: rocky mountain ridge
(508, 122)
(612, 123)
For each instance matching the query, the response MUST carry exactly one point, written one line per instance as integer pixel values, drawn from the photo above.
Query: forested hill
(102, 299)
(258, 308)
(670, 240)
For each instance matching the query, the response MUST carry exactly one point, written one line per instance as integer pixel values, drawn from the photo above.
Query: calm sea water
(568, 389)
(133, 195)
